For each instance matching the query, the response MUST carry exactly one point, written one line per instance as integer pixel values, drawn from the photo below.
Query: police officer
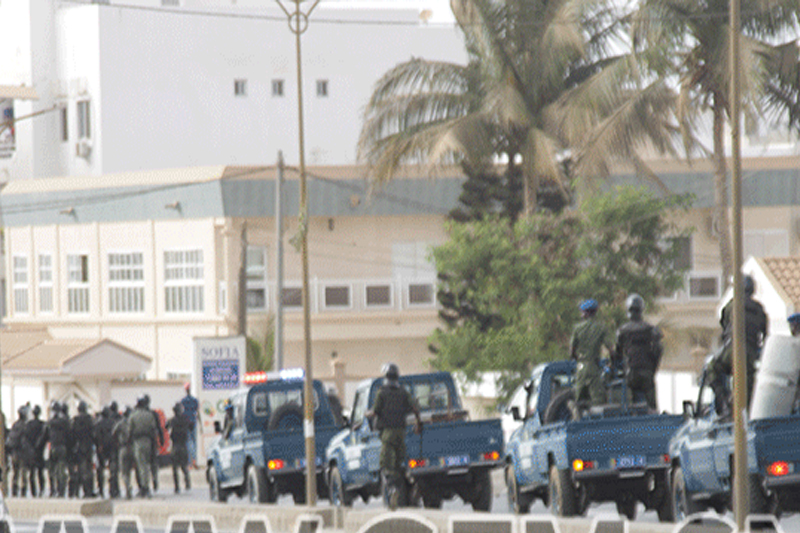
(56, 432)
(158, 443)
(19, 448)
(588, 337)
(794, 324)
(106, 453)
(143, 431)
(33, 433)
(83, 448)
(392, 404)
(755, 326)
(639, 349)
(178, 427)
(122, 436)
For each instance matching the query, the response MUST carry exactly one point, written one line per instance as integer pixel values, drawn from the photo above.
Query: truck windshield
(432, 395)
(266, 402)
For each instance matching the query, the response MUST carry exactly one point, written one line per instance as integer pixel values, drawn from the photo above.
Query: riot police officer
(20, 450)
(589, 336)
(158, 443)
(106, 453)
(392, 404)
(143, 431)
(83, 447)
(639, 350)
(122, 436)
(56, 432)
(33, 433)
(178, 427)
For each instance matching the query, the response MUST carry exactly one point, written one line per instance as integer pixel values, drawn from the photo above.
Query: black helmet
(55, 407)
(146, 399)
(22, 412)
(141, 401)
(82, 407)
(391, 371)
(106, 412)
(749, 286)
(37, 410)
(634, 305)
(64, 408)
(177, 408)
(114, 407)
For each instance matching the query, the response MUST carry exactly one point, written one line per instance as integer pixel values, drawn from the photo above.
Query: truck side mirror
(515, 414)
(217, 427)
(688, 409)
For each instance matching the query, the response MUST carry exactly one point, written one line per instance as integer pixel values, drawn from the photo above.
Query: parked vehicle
(452, 456)
(702, 459)
(262, 453)
(617, 452)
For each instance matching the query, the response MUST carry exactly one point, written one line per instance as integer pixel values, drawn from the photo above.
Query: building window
(292, 297)
(84, 120)
(322, 88)
(126, 282)
(256, 278)
(171, 3)
(78, 283)
(420, 294)
(337, 297)
(183, 281)
(20, 264)
(703, 286)
(240, 87)
(45, 283)
(64, 124)
(379, 295)
(277, 87)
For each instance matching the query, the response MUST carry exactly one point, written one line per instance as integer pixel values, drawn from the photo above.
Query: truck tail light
(579, 465)
(275, 464)
(491, 456)
(778, 468)
(666, 458)
(417, 463)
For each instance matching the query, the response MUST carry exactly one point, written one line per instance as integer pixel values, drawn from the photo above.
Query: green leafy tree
(690, 41)
(540, 84)
(515, 287)
(259, 358)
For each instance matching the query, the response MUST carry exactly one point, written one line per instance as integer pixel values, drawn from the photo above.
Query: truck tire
(299, 494)
(759, 504)
(431, 499)
(682, 502)
(482, 499)
(338, 495)
(627, 507)
(562, 494)
(519, 502)
(215, 492)
(287, 416)
(257, 485)
(558, 409)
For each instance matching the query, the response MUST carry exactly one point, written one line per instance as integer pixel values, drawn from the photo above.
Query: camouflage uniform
(122, 436)
(588, 337)
(20, 451)
(56, 432)
(392, 404)
(143, 435)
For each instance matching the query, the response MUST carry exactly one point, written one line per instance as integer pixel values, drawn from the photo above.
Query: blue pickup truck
(452, 456)
(261, 452)
(702, 455)
(617, 452)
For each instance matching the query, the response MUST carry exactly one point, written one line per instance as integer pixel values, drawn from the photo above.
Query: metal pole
(740, 486)
(279, 265)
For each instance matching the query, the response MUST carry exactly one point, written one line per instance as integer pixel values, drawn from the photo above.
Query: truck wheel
(666, 507)
(338, 495)
(299, 495)
(287, 416)
(562, 494)
(683, 504)
(558, 409)
(215, 492)
(518, 502)
(482, 500)
(431, 499)
(759, 504)
(257, 485)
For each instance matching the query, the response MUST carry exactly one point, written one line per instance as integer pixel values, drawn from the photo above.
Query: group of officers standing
(75, 450)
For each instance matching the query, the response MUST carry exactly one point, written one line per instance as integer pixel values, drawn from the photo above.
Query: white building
(149, 84)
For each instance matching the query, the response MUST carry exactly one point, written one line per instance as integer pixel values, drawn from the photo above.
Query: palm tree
(693, 39)
(541, 85)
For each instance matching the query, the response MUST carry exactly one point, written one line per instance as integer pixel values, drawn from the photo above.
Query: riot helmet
(749, 286)
(635, 306)
(391, 371)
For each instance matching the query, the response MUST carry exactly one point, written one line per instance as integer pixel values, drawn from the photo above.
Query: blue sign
(220, 374)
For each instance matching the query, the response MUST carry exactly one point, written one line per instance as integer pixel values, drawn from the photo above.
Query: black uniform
(179, 427)
(83, 447)
(56, 432)
(639, 348)
(20, 450)
(107, 453)
(34, 429)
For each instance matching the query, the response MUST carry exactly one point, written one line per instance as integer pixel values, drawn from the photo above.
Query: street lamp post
(298, 23)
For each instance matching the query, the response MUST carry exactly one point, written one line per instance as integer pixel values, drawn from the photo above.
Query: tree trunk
(531, 188)
(720, 221)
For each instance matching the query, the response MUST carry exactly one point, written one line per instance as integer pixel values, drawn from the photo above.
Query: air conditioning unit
(83, 148)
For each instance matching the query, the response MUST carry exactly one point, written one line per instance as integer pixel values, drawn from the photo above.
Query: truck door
(233, 464)
(701, 473)
(360, 450)
(528, 470)
(723, 450)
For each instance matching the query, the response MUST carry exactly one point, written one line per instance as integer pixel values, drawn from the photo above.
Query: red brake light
(417, 463)
(491, 456)
(577, 465)
(778, 468)
(275, 464)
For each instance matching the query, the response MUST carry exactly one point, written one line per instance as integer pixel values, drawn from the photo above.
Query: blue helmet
(588, 305)
(794, 318)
